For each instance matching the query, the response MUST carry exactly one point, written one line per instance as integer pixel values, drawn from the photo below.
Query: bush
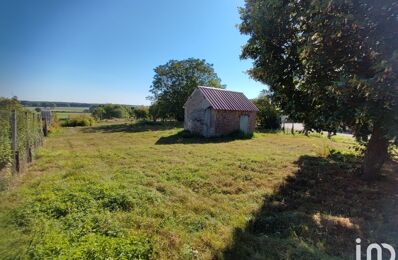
(5, 141)
(159, 110)
(110, 111)
(268, 117)
(28, 129)
(140, 113)
(79, 121)
(55, 125)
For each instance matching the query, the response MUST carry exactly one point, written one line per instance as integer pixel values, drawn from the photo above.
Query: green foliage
(329, 64)
(268, 117)
(110, 111)
(118, 202)
(159, 110)
(140, 113)
(10, 104)
(92, 246)
(154, 111)
(184, 198)
(5, 141)
(6, 106)
(81, 120)
(175, 81)
(81, 225)
(55, 124)
(99, 112)
(29, 129)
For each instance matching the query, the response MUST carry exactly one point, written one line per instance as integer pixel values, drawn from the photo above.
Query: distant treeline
(54, 104)
(59, 104)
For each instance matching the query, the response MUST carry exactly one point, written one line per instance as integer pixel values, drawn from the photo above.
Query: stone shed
(215, 112)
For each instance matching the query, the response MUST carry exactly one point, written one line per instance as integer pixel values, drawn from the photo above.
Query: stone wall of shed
(195, 113)
(227, 122)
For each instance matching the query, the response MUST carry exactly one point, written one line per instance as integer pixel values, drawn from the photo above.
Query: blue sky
(105, 50)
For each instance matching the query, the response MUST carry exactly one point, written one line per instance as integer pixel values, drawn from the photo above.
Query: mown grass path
(143, 191)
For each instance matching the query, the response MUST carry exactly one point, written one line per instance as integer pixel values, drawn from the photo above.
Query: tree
(10, 104)
(154, 111)
(330, 64)
(140, 113)
(98, 112)
(268, 117)
(159, 110)
(109, 111)
(174, 82)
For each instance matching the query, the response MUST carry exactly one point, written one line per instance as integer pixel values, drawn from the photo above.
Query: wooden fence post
(29, 127)
(40, 122)
(45, 128)
(44, 122)
(14, 142)
(34, 124)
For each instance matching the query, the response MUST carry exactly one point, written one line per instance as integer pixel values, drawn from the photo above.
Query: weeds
(110, 191)
(81, 120)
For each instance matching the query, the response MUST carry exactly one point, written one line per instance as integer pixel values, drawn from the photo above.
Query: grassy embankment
(143, 191)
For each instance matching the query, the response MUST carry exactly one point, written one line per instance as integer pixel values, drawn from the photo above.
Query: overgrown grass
(81, 120)
(146, 191)
(320, 211)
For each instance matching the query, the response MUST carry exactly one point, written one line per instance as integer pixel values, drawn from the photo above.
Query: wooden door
(244, 124)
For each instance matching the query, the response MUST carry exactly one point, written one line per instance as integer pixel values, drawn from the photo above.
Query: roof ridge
(221, 99)
(220, 89)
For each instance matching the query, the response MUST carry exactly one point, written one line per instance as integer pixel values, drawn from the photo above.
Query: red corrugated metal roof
(221, 99)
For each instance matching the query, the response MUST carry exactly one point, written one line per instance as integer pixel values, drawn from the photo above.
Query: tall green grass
(81, 120)
(145, 191)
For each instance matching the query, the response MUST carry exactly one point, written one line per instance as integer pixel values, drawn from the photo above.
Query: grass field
(144, 191)
(65, 115)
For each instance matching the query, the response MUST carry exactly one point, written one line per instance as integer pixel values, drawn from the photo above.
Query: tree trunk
(375, 155)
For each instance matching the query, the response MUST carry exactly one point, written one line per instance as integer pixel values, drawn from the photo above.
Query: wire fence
(21, 133)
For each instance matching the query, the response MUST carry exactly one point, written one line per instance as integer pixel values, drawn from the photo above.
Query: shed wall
(196, 119)
(227, 122)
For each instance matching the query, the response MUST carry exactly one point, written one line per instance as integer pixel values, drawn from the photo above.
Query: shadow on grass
(133, 127)
(184, 137)
(320, 211)
(268, 131)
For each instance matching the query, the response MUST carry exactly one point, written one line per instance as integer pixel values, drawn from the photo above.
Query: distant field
(67, 112)
(143, 191)
(64, 115)
(66, 109)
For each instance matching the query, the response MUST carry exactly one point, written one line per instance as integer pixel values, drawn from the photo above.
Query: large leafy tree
(174, 82)
(330, 64)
